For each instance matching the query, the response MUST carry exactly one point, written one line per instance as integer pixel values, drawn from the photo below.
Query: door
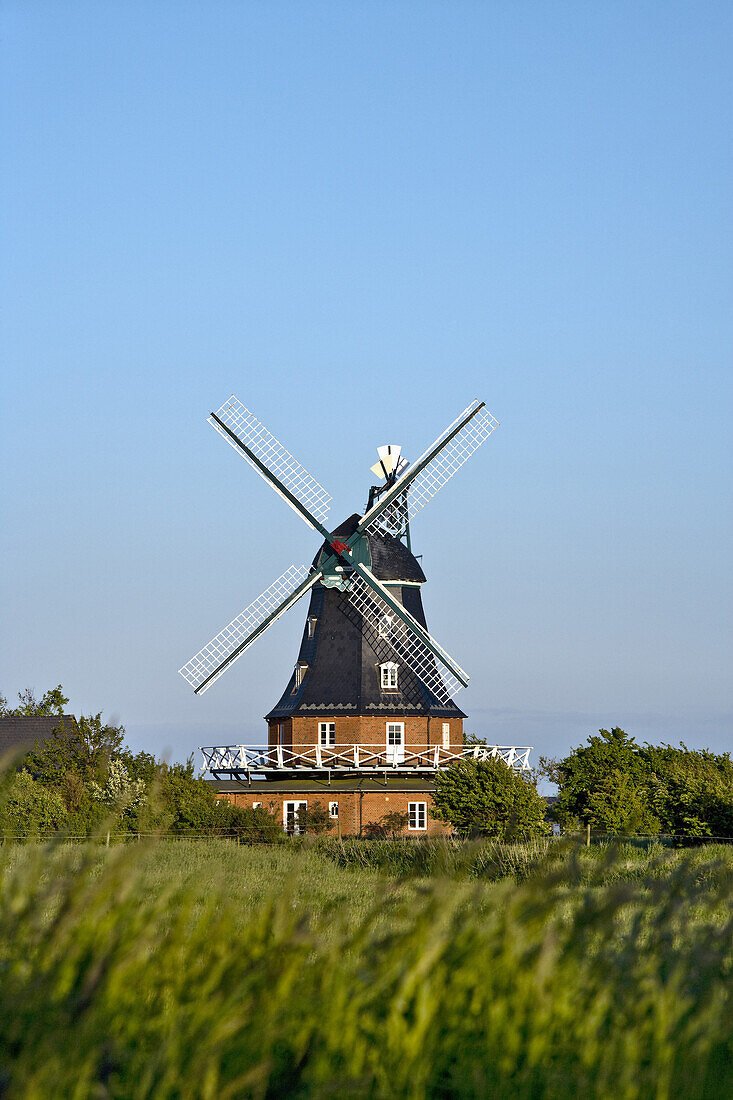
(294, 817)
(395, 742)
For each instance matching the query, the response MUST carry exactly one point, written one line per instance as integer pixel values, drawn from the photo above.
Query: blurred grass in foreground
(210, 970)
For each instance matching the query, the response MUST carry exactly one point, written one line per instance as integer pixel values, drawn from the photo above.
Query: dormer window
(300, 671)
(311, 627)
(388, 676)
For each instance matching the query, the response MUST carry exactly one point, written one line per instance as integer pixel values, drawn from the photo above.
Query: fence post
(107, 844)
(587, 835)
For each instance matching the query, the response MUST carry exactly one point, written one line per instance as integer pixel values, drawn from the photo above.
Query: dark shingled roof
(21, 734)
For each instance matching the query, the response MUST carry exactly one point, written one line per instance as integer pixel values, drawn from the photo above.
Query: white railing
(248, 759)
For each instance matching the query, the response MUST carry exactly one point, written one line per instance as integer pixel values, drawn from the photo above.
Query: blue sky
(358, 217)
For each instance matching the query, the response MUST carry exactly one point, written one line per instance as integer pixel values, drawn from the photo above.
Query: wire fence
(279, 836)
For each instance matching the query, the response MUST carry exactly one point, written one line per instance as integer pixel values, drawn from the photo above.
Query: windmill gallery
(367, 717)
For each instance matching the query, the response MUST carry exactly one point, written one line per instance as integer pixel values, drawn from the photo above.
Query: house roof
(260, 787)
(20, 733)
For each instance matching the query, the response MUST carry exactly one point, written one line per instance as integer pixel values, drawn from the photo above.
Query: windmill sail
(243, 431)
(402, 641)
(230, 643)
(432, 470)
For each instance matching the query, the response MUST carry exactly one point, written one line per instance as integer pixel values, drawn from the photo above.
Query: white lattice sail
(271, 453)
(405, 506)
(406, 646)
(211, 661)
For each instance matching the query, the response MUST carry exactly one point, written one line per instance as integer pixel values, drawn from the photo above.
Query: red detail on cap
(338, 546)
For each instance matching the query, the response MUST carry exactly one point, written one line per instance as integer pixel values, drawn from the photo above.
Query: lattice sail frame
(440, 470)
(406, 646)
(274, 601)
(271, 453)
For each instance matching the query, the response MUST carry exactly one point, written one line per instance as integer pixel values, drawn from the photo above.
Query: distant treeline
(620, 788)
(84, 781)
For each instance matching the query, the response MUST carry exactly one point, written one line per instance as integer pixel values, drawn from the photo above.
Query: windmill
(345, 563)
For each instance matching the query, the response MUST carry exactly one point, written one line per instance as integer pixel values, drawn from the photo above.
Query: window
(294, 817)
(395, 733)
(300, 671)
(327, 733)
(446, 735)
(311, 626)
(388, 676)
(333, 810)
(416, 815)
(385, 626)
(256, 805)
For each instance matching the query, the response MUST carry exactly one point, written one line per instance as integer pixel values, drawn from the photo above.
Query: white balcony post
(356, 756)
(436, 755)
(319, 758)
(279, 756)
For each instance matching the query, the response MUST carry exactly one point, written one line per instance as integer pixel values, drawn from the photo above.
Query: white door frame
(296, 804)
(394, 739)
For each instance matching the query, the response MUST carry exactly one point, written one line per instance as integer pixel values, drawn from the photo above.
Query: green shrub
(487, 798)
(28, 809)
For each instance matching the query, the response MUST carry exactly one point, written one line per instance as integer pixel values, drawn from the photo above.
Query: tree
(691, 791)
(85, 748)
(488, 798)
(605, 784)
(52, 701)
(189, 803)
(315, 819)
(29, 809)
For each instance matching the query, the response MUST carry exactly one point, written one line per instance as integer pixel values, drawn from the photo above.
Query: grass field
(204, 969)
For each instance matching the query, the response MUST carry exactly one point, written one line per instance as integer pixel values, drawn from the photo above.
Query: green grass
(202, 969)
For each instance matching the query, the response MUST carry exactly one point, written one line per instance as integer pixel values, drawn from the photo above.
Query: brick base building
(355, 806)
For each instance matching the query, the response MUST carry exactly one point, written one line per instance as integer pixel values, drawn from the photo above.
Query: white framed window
(300, 671)
(256, 805)
(395, 733)
(388, 676)
(417, 816)
(333, 810)
(311, 627)
(446, 735)
(327, 733)
(294, 814)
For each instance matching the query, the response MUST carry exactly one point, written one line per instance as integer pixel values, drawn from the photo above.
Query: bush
(487, 798)
(28, 809)
(620, 788)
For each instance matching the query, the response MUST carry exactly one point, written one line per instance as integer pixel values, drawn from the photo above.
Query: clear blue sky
(358, 217)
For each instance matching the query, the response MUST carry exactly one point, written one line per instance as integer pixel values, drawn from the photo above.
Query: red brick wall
(367, 730)
(356, 809)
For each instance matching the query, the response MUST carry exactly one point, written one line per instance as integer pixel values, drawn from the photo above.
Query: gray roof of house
(282, 786)
(21, 734)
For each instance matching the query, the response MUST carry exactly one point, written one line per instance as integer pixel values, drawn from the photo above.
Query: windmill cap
(391, 560)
